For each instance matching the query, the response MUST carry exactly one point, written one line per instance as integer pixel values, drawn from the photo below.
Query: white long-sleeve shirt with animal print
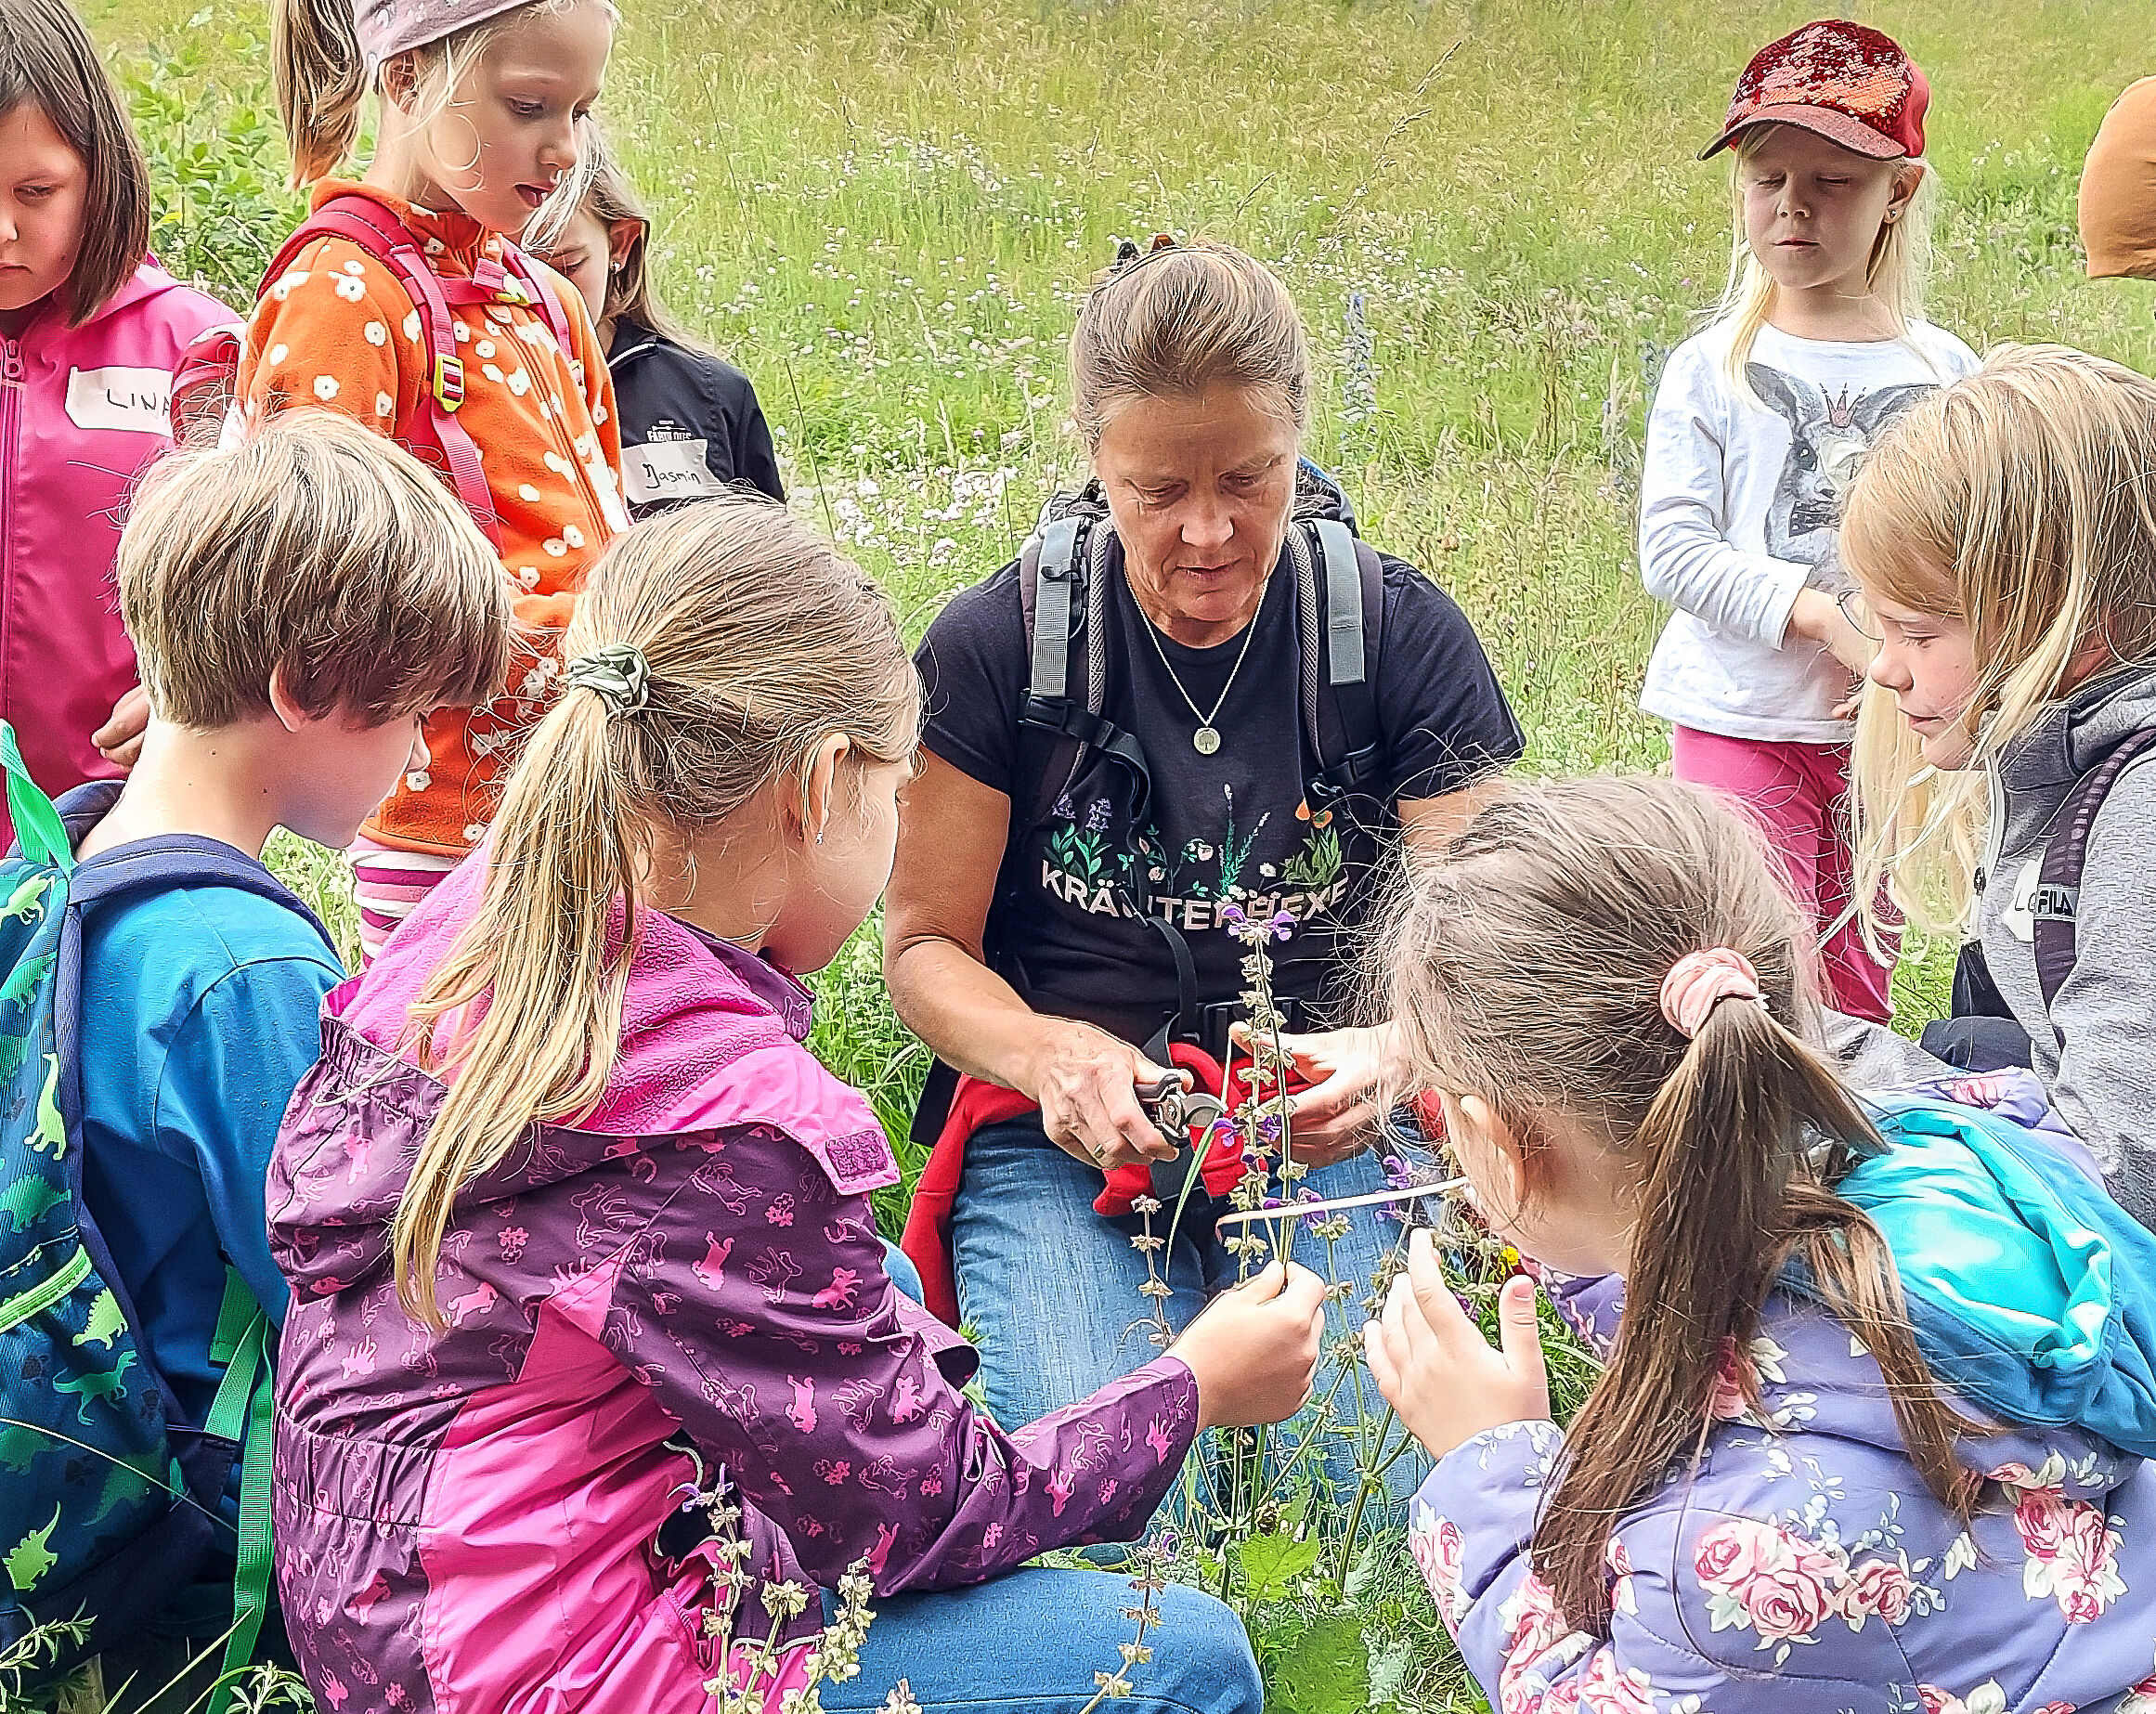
(1738, 504)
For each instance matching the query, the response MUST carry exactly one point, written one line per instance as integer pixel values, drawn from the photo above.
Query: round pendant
(1204, 740)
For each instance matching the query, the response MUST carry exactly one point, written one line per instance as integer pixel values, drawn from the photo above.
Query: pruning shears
(1174, 1104)
(1178, 1107)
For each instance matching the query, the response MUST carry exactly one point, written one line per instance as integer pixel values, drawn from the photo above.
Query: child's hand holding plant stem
(1254, 1349)
(1436, 1369)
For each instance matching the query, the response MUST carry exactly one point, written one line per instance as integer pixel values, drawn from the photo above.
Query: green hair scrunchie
(618, 674)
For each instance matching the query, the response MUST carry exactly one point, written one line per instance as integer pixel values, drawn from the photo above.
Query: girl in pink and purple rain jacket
(519, 1352)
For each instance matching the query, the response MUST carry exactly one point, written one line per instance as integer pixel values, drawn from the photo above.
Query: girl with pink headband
(402, 301)
(1873, 1429)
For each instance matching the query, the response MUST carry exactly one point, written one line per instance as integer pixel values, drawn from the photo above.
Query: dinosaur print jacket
(684, 1295)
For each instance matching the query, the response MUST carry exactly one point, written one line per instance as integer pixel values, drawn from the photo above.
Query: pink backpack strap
(378, 232)
(201, 383)
(543, 297)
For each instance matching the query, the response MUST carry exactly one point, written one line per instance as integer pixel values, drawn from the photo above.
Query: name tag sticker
(668, 470)
(136, 400)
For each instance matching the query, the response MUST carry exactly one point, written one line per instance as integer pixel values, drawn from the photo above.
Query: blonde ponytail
(760, 640)
(321, 80)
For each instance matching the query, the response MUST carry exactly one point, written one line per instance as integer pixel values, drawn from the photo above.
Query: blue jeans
(903, 1273)
(1033, 1640)
(1050, 1289)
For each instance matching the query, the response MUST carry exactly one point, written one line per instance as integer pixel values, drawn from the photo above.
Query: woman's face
(1928, 662)
(1199, 486)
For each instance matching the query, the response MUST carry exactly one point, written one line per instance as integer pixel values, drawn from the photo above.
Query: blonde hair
(2023, 501)
(761, 641)
(1525, 966)
(319, 552)
(1897, 273)
(1183, 319)
(323, 80)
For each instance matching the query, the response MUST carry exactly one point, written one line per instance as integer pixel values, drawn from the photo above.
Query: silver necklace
(1206, 739)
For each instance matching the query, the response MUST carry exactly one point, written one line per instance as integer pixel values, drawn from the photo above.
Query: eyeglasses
(1852, 603)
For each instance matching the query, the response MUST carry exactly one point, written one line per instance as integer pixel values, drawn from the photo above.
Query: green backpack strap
(241, 1413)
(37, 824)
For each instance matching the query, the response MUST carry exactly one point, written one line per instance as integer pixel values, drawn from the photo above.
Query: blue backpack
(110, 1504)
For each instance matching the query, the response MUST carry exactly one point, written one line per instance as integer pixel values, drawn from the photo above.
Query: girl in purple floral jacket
(579, 1231)
(1872, 1432)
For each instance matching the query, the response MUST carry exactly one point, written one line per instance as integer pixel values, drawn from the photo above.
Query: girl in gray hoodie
(2003, 536)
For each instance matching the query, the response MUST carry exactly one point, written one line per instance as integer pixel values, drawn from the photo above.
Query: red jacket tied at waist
(976, 1105)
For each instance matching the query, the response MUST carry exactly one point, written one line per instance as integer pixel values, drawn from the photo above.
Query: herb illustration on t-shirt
(1084, 864)
(1829, 437)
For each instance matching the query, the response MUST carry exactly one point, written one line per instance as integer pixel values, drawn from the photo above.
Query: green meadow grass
(885, 211)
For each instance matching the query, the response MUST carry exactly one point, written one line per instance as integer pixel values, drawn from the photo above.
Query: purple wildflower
(1397, 1177)
(1282, 924)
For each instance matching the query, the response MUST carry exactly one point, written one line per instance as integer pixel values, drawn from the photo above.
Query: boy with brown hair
(298, 602)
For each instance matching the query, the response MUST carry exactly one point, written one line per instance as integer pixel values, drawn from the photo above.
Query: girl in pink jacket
(89, 331)
(590, 1321)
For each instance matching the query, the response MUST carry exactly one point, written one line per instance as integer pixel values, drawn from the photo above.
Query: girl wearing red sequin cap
(1762, 421)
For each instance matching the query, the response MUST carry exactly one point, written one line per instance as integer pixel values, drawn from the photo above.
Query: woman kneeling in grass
(1873, 1429)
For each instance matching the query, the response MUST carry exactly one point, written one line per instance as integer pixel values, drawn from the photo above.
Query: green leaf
(1322, 1670)
(1270, 1564)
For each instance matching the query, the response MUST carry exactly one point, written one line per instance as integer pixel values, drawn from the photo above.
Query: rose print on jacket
(1986, 1698)
(2073, 1552)
(1437, 1546)
(1798, 1558)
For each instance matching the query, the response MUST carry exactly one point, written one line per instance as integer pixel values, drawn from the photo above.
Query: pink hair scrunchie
(1699, 982)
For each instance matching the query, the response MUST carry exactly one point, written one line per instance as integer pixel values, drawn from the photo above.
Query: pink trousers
(1799, 794)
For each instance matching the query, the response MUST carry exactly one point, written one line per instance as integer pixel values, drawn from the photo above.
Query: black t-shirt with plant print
(1232, 827)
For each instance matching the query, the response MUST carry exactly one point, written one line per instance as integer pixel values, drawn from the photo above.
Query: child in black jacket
(691, 425)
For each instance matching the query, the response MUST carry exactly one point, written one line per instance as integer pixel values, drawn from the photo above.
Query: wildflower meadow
(886, 212)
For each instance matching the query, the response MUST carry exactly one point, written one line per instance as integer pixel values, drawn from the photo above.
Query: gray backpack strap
(1055, 577)
(2065, 856)
(1343, 619)
(1336, 659)
(1063, 573)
